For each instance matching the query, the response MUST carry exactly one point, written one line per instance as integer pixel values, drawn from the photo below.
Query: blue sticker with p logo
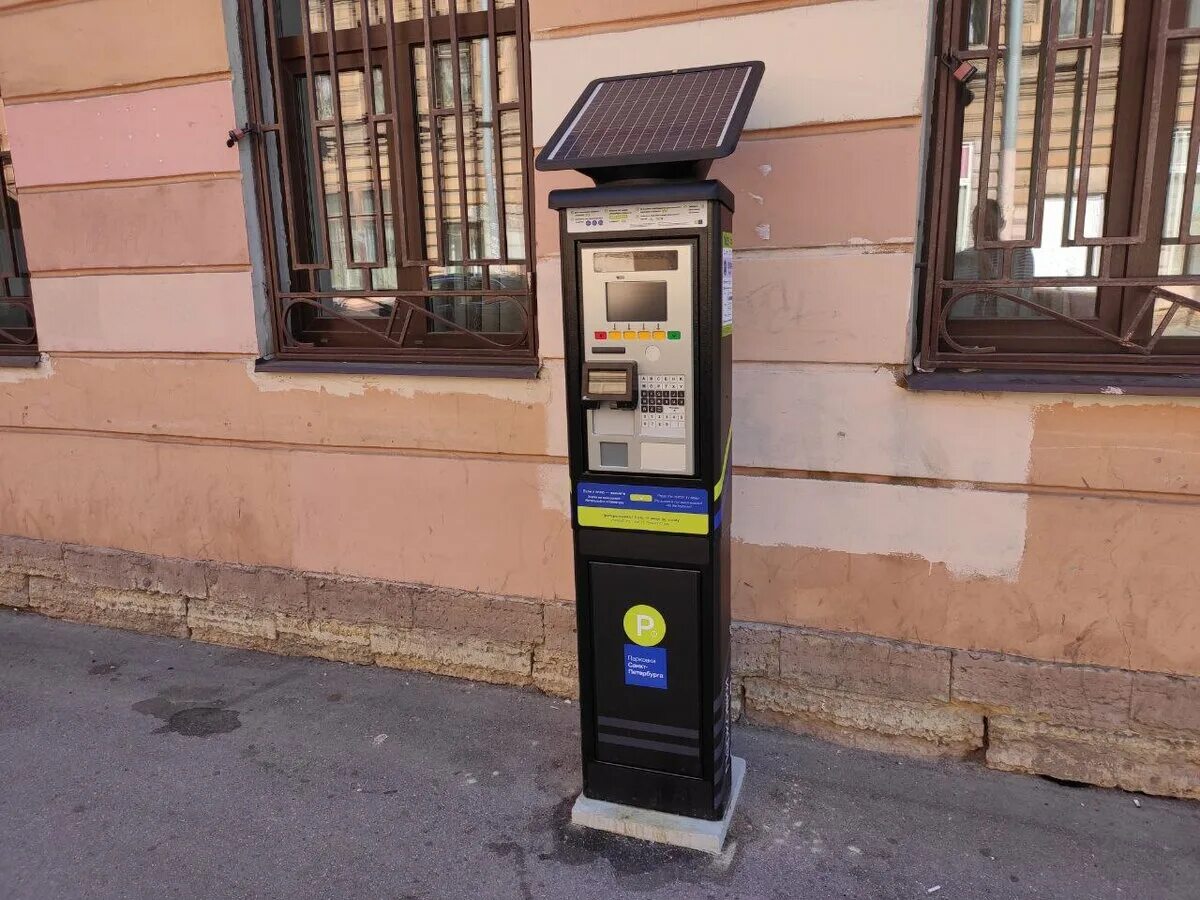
(646, 666)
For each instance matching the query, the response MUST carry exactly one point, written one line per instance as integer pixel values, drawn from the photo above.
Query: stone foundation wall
(1135, 730)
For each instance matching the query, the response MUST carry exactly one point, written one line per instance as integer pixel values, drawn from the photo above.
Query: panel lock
(236, 135)
(609, 383)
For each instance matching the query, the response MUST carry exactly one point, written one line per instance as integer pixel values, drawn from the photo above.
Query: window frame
(18, 344)
(425, 348)
(949, 346)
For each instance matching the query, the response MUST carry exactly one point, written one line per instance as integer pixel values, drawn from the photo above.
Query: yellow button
(614, 335)
(631, 335)
(643, 335)
(660, 335)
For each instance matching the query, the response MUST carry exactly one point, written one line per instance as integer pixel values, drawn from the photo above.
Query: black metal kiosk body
(647, 283)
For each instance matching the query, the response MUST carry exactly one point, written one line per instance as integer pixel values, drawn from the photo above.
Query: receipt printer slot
(612, 384)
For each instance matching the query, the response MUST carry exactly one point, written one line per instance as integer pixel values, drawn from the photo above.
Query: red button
(602, 335)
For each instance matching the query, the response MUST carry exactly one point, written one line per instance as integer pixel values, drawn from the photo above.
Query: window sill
(20, 362)
(525, 371)
(1056, 383)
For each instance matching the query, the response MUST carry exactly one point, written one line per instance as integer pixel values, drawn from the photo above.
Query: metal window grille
(391, 153)
(18, 333)
(1063, 222)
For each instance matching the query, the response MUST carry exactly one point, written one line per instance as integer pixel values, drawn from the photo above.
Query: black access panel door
(647, 698)
(648, 321)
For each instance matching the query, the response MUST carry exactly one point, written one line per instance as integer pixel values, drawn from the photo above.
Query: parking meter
(648, 319)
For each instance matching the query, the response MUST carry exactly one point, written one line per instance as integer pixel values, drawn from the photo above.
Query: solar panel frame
(552, 156)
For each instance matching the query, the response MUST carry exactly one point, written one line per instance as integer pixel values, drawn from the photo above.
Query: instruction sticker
(638, 217)
(726, 283)
(646, 666)
(642, 508)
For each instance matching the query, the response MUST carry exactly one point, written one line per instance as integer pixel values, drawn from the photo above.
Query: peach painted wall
(95, 45)
(548, 17)
(1050, 526)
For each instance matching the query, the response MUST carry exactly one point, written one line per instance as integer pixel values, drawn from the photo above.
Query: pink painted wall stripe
(189, 223)
(149, 134)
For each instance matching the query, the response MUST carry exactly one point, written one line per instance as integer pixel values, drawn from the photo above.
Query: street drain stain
(202, 721)
(190, 712)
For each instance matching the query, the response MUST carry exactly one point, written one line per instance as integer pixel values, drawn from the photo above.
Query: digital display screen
(636, 301)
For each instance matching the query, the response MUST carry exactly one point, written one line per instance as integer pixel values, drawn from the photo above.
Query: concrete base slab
(660, 827)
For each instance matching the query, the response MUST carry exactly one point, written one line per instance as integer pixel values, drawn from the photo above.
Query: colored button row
(639, 335)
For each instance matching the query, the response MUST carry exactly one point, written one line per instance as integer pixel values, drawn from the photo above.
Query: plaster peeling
(342, 385)
(792, 416)
(556, 409)
(17, 374)
(757, 198)
(873, 242)
(763, 232)
(764, 169)
(1114, 396)
(827, 252)
(554, 489)
(972, 533)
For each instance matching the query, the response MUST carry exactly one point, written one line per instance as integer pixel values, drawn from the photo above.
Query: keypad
(663, 401)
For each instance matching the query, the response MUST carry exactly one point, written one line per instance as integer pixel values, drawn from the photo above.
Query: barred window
(18, 335)
(1063, 221)
(392, 157)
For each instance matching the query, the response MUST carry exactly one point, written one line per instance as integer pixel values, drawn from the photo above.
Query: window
(391, 156)
(18, 337)
(1063, 218)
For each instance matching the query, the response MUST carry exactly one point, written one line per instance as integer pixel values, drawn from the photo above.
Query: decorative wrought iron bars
(391, 156)
(1062, 222)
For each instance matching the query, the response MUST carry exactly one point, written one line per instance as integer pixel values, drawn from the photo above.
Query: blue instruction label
(642, 508)
(646, 666)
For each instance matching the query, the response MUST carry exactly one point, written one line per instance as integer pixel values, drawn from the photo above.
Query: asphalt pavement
(147, 767)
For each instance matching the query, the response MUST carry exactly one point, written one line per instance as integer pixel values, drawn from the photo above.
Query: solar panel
(658, 117)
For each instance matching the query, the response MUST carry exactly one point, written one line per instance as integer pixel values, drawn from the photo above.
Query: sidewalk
(143, 767)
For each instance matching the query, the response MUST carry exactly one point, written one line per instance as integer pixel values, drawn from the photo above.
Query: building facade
(281, 355)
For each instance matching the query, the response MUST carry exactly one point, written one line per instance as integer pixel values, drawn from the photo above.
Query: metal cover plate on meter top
(685, 114)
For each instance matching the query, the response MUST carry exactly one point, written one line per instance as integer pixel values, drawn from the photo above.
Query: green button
(674, 335)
